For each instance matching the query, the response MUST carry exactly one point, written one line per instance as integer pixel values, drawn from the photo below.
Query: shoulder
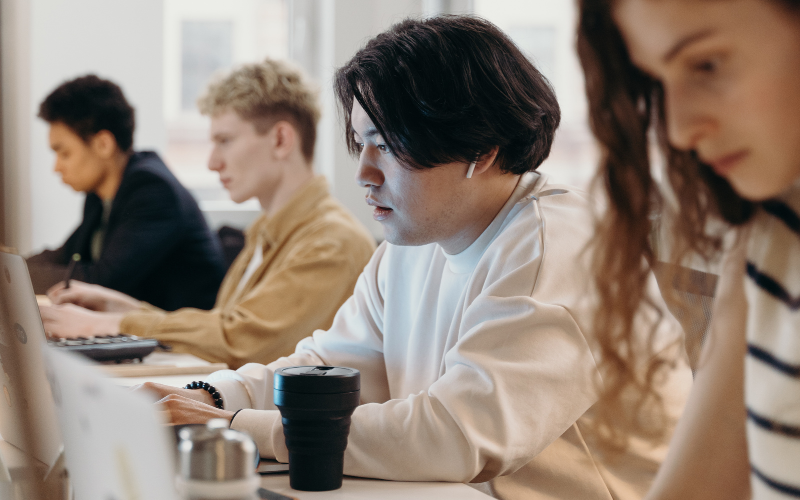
(148, 177)
(548, 230)
(147, 168)
(144, 164)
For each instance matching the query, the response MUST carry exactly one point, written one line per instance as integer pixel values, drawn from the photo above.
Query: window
(545, 31)
(201, 39)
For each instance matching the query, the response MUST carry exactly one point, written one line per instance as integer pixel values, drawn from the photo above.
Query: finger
(63, 296)
(163, 414)
(172, 398)
(48, 313)
(55, 288)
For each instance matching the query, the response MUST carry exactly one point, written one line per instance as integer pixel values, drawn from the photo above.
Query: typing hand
(160, 391)
(182, 410)
(93, 297)
(69, 321)
(183, 406)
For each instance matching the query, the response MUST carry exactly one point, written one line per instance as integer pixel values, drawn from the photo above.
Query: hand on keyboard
(69, 320)
(93, 297)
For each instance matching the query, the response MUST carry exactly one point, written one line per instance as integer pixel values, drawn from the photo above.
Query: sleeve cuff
(265, 427)
(229, 385)
(141, 322)
(144, 306)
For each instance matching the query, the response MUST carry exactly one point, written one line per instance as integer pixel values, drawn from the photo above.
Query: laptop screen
(26, 397)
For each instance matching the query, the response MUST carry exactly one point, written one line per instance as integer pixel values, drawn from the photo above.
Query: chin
(237, 198)
(760, 188)
(404, 239)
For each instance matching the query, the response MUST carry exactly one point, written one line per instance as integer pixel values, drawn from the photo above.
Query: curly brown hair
(626, 106)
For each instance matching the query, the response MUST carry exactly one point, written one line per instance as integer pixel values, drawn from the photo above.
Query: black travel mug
(316, 403)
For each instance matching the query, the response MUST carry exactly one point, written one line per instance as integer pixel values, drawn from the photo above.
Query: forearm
(708, 454)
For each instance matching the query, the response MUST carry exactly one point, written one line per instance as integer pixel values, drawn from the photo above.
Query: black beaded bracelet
(209, 389)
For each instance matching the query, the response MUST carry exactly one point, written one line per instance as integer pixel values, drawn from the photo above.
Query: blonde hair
(265, 93)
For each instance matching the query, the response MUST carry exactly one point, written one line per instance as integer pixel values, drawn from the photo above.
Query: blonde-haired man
(301, 258)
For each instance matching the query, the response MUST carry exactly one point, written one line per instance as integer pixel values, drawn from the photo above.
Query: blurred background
(163, 52)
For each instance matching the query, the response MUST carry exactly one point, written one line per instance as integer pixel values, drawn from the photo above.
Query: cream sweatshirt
(474, 367)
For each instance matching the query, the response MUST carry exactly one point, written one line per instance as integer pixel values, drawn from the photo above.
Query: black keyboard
(108, 347)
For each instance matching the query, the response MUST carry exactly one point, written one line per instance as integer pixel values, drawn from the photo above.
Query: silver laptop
(21, 323)
(114, 445)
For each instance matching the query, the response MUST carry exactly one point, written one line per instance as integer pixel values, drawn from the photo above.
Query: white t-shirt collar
(465, 261)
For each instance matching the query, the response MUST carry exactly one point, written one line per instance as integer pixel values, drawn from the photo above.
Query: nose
(368, 173)
(687, 122)
(215, 162)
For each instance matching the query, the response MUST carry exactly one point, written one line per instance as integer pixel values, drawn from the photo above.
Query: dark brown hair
(625, 106)
(89, 104)
(450, 89)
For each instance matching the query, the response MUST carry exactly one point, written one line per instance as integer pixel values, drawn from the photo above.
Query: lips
(380, 212)
(723, 165)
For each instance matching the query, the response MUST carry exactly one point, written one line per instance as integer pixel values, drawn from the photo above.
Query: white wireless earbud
(471, 169)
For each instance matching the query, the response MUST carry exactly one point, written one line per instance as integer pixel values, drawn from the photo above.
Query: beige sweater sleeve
(266, 323)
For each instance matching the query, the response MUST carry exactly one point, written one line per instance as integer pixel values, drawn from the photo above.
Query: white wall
(46, 42)
(335, 30)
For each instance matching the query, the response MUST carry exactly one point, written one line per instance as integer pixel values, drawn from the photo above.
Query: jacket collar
(273, 230)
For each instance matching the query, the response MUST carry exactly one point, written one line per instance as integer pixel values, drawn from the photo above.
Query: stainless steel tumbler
(215, 462)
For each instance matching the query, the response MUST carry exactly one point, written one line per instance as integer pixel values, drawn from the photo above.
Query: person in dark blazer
(142, 232)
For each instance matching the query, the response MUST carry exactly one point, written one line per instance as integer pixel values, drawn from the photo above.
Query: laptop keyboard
(108, 347)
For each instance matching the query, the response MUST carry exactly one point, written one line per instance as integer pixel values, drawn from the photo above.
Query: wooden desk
(164, 368)
(354, 488)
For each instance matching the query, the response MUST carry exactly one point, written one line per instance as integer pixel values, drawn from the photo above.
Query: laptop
(113, 444)
(21, 324)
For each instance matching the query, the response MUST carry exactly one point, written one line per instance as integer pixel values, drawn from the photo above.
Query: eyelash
(382, 147)
(707, 66)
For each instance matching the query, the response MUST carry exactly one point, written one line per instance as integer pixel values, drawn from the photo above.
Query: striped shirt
(772, 366)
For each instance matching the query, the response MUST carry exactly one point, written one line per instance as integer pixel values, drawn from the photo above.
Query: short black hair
(449, 89)
(89, 104)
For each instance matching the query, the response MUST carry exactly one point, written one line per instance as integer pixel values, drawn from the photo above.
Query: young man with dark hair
(470, 323)
(142, 232)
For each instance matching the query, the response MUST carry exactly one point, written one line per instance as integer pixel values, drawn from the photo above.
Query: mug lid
(317, 379)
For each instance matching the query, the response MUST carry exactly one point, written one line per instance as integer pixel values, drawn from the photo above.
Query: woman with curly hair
(715, 84)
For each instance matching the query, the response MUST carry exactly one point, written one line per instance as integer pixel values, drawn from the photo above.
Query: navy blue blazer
(157, 245)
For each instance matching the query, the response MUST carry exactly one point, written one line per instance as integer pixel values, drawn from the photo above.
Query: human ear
(485, 161)
(284, 139)
(103, 144)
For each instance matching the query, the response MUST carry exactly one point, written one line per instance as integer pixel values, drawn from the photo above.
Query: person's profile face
(414, 206)
(730, 70)
(242, 157)
(79, 166)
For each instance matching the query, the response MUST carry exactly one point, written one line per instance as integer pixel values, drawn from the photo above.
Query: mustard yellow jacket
(313, 250)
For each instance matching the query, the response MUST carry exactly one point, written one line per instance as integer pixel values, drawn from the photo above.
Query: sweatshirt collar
(465, 262)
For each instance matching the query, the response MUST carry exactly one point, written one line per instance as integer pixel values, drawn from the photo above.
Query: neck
(488, 202)
(295, 176)
(113, 178)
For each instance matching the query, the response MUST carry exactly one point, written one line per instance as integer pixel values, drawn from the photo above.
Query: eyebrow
(368, 134)
(685, 42)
